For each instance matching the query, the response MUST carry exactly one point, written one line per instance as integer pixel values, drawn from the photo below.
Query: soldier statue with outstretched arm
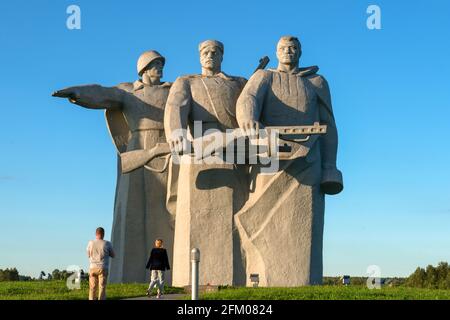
(134, 114)
(281, 225)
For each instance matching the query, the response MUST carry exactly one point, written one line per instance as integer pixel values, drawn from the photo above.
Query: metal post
(195, 259)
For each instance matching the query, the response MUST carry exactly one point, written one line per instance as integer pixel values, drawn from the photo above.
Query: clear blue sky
(390, 91)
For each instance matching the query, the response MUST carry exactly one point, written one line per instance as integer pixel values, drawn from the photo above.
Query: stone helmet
(146, 58)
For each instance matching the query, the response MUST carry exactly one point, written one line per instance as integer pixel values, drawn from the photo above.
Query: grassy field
(328, 293)
(57, 290)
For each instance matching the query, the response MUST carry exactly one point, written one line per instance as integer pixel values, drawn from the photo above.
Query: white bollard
(195, 259)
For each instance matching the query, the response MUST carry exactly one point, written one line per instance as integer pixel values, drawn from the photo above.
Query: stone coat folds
(208, 194)
(134, 113)
(281, 225)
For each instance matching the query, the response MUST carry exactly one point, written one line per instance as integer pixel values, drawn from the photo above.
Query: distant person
(157, 263)
(99, 251)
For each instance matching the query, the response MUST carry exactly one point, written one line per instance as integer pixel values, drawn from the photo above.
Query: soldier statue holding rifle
(281, 225)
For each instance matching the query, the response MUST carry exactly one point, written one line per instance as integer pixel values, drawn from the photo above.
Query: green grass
(57, 290)
(327, 293)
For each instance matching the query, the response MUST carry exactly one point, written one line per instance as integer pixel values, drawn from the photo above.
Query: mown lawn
(57, 290)
(327, 293)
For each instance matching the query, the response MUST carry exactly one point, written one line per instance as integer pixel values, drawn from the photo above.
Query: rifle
(280, 142)
(287, 141)
(135, 159)
(263, 62)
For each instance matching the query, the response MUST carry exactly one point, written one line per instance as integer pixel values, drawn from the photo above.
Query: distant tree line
(362, 281)
(431, 277)
(63, 275)
(9, 275)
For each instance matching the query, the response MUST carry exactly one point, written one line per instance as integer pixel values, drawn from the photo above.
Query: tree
(9, 275)
(56, 274)
(431, 277)
(442, 272)
(42, 275)
(60, 275)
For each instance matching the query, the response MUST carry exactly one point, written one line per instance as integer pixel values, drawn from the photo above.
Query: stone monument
(247, 218)
(134, 114)
(281, 224)
(208, 194)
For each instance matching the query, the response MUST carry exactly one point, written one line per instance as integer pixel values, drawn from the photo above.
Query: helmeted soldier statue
(134, 114)
(281, 225)
(208, 194)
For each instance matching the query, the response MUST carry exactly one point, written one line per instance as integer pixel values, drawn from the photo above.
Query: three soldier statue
(246, 217)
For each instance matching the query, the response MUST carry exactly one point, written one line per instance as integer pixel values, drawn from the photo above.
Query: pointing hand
(69, 93)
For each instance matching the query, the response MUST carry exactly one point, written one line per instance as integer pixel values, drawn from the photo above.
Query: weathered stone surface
(134, 114)
(281, 225)
(208, 194)
(244, 220)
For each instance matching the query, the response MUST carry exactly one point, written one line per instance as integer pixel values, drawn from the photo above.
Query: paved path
(173, 296)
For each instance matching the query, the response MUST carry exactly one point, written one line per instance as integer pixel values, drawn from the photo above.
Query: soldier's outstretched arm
(93, 96)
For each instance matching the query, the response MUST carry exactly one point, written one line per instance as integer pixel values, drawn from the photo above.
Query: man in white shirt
(99, 251)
